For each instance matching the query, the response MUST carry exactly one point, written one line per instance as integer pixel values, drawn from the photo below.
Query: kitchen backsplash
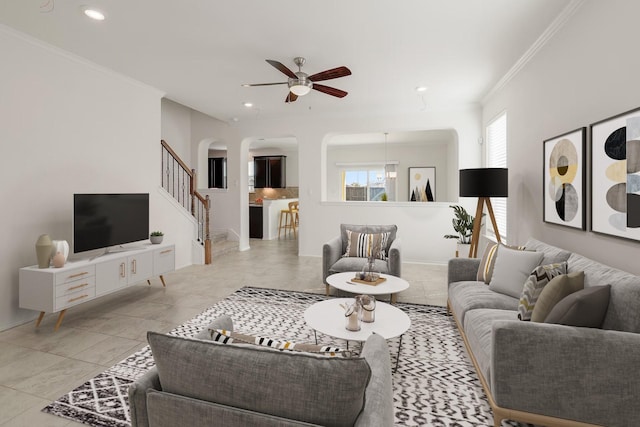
(274, 193)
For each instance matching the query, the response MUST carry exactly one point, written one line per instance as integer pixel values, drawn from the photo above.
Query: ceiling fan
(300, 83)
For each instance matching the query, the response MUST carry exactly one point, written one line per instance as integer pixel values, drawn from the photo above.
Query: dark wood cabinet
(255, 222)
(217, 172)
(270, 171)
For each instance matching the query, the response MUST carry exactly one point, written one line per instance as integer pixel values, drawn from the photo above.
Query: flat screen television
(101, 221)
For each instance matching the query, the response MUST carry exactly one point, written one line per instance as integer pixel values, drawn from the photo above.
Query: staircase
(180, 181)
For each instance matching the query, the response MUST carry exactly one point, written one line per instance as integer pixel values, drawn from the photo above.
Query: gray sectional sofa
(552, 374)
(197, 382)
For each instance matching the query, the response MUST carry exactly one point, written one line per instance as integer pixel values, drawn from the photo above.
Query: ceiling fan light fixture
(300, 87)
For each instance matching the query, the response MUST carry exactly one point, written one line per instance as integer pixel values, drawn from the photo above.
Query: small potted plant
(156, 237)
(463, 225)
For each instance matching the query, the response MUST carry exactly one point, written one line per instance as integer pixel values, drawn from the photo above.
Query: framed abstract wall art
(615, 175)
(564, 179)
(422, 184)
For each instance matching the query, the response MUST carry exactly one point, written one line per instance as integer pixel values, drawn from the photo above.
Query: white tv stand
(54, 290)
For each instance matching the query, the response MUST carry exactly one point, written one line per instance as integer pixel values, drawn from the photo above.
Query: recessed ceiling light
(248, 104)
(421, 89)
(93, 14)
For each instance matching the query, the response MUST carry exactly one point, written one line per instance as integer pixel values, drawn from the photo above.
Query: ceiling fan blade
(263, 84)
(291, 97)
(333, 73)
(330, 90)
(283, 69)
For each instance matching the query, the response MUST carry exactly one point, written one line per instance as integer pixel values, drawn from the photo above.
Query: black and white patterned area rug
(435, 383)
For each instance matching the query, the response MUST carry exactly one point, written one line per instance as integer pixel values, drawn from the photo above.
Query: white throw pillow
(511, 270)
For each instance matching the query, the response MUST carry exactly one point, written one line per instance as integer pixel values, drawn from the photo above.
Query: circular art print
(564, 175)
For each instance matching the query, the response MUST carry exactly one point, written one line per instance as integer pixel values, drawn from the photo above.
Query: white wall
(176, 128)
(421, 227)
(67, 127)
(587, 72)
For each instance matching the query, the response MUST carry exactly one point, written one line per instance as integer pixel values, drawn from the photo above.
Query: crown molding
(544, 38)
(76, 58)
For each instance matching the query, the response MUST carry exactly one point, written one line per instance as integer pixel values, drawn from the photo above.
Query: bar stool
(288, 219)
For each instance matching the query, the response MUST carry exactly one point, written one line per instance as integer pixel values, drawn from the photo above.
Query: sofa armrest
(462, 269)
(138, 397)
(378, 406)
(394, 261)
(331, 252)
(582, 374)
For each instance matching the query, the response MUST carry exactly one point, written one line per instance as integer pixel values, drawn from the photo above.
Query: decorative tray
(367, 282)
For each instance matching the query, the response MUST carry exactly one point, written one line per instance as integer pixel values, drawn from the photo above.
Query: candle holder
(368, 308)
(352, 316)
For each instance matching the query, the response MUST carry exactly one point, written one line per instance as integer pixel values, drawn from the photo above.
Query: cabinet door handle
(123, 270)
(77, 298)
(78, 286)
(166, 252)
(73, 276)
(134, 266)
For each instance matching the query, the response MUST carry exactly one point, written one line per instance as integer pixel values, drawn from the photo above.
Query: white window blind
(497, 158)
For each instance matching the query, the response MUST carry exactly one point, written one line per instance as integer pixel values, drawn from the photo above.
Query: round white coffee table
(391, 286)
(327, 317)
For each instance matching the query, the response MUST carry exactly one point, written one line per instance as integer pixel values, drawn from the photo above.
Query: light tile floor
(39, 365)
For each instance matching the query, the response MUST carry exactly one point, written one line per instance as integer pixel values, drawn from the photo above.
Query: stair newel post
(207, 236)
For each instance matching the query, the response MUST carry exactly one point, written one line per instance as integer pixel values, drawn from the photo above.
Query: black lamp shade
(484, 182)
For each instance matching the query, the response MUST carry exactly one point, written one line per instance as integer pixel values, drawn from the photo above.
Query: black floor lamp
(483, 183)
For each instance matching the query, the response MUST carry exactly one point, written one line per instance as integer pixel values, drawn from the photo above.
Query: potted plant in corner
(156, 237)
(463, 225)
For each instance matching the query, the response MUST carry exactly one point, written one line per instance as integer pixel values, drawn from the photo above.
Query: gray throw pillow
(511, 269)
(586, 308)
(558, 288)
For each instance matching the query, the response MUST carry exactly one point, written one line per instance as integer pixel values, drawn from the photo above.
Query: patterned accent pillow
(223, 336)
(360, 245)
(488, 261)
(540, 276)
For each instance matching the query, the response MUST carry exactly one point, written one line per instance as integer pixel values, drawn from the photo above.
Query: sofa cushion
(478, 329)
(511, 270)
(539, 278)
(223, 336)
(485, 270)
(558, 288)
(552, 254)
(465, 296)
(356, 264)
(586, 307)
(364, 244)
(246, 378)
(623, 313)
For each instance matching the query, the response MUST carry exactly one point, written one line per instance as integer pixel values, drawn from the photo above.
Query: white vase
(61, 246)
(463, 250)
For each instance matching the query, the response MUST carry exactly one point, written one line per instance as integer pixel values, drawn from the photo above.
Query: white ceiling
(199, 52)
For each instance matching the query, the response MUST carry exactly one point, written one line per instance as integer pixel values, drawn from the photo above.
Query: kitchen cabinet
(217, 172)
(255, 222)
(270, 171)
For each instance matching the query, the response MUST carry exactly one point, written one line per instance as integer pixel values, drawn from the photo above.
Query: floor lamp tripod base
(477, 225)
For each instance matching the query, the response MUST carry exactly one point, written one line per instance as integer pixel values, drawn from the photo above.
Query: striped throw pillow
(361, 245)
(224, 336)
(538, 279)
(488, 261)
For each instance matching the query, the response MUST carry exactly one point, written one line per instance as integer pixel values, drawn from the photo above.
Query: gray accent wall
(586, 72)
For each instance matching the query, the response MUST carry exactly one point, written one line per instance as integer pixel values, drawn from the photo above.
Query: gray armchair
(333, 260)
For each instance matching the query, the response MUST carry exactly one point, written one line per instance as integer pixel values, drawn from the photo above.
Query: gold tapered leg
(59, 321)
(164, 285)
(149, 282)
(39, 319)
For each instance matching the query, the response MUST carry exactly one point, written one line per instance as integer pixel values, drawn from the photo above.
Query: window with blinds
(496, 136)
